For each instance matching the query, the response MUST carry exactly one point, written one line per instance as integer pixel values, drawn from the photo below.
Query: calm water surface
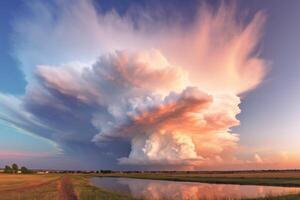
(174, 190)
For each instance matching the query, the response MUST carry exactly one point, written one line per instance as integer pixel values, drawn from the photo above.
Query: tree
(15, 168)
(24, 170)
(7, 169)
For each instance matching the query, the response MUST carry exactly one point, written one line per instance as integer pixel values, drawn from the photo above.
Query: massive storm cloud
(169, 90)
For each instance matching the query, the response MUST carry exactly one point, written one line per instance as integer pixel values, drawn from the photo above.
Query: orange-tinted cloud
(171, 91)
(220, 52)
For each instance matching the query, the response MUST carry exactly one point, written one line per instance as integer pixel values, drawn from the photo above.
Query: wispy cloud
(21, 154)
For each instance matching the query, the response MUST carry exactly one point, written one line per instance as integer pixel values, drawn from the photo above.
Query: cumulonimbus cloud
(171, 92)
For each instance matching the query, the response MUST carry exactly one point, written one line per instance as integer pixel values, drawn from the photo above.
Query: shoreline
(261, 181)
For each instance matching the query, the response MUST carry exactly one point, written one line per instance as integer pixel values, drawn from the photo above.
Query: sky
(196, 85)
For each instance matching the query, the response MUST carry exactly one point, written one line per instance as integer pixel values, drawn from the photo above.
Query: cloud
(257, 158)
(16, 154)
(184, 127)
(103, 102)
(215, 47)
(144, 92)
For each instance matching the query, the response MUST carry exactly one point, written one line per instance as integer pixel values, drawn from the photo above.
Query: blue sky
(270, 112)
(12, 81)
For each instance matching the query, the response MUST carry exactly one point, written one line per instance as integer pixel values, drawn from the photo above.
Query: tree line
(14, 169)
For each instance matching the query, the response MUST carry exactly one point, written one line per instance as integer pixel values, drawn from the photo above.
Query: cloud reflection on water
(157, 189)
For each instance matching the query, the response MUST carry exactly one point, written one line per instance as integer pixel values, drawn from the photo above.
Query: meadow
(52, 187)
(25, 187)
(78, 187)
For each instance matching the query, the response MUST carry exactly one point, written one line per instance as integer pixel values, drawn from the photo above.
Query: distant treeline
(168, 172)
(14, 169)
(83, 171)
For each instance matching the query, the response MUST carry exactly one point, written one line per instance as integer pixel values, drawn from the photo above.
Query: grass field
(25, 187)
(77, 186)
(52, 187)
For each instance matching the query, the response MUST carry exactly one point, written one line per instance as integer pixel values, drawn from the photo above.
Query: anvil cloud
(169, 90)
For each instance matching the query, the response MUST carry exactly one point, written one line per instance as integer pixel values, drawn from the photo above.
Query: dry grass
(28, 187)
(65, 188)
(53, 187)
(12, 182)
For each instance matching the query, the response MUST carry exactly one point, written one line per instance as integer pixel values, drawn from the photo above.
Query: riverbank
(278, 178)
(111, 195)
(78, 186)
(187, 188)
(86, 191)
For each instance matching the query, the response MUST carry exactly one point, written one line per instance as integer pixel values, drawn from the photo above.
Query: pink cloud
(170, 91)
(22, 154)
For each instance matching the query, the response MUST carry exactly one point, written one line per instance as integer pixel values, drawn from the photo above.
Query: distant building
(1, 170)
(43, 172)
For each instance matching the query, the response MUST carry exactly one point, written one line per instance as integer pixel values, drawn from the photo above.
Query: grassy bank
(263, 178)
(85, 191)
(78, 187)
(286, 179)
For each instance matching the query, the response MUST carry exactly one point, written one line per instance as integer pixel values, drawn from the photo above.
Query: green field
(77, 186)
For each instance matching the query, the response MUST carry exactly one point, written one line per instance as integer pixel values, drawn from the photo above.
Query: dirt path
(65, 188)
